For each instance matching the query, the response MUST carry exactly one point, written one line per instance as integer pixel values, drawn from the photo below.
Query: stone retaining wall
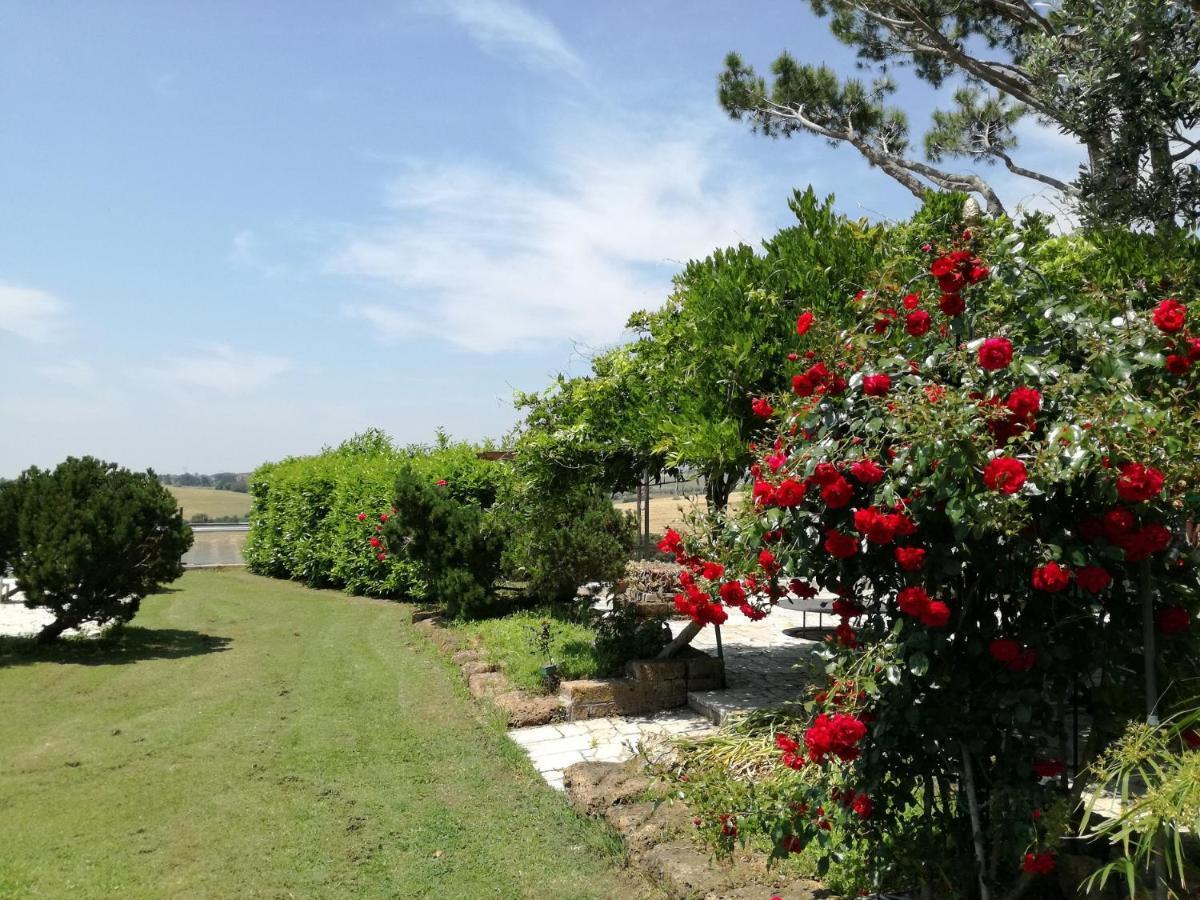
(649, 685)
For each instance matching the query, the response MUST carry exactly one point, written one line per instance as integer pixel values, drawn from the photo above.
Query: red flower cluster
(915, 602)
(917, 323)
(911, 559)
(837, 735)
(1093, 579)
(1049, 768)
(804, 323)
(1138, 483)
(866, 471)
(879, 527)
(955, 271)
(1038, 863)
(762, 408)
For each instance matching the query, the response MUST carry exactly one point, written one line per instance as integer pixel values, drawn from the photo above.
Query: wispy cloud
(31, 314)
(503, 27)
(219, 368)
(489, 259)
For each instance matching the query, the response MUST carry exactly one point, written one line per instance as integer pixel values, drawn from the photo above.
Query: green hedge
(304, 515)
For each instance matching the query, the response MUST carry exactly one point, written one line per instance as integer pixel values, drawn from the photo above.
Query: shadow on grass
(125, 645)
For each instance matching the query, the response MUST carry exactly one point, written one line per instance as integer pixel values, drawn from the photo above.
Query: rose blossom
(1051, 578)
(876, 385)
(1170, 316)
(1005, 474)
(995, 353)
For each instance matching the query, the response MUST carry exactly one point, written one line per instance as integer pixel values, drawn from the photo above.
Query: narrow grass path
(249, 737)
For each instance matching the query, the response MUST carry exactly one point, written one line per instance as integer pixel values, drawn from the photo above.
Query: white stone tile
(539, 733)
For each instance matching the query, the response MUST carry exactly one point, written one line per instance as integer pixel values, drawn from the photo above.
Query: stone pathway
(760, 660)
(552, 748)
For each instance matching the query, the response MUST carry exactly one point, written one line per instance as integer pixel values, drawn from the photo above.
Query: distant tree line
(221, 481)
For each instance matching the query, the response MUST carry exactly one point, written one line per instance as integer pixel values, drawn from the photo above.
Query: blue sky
(239, 231)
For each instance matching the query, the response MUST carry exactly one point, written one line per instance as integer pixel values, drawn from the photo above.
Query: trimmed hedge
(305, 512)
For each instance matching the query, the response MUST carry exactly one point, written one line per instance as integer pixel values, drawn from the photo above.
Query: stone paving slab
(552, 748)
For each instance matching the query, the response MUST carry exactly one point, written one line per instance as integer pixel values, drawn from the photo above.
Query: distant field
(211, 502)
(669, 512)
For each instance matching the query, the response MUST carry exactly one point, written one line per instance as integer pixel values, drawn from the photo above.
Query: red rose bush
(995, 483)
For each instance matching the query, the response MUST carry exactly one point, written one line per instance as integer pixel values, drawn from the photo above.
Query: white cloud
(491, 260)
(501, 27)
(31, 314)
(246, 251)
(219, 368)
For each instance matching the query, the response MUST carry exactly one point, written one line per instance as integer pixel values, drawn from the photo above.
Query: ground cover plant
(253, 737)
(511, 642)
(993, 463)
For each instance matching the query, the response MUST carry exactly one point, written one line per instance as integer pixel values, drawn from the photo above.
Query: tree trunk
(51, 632)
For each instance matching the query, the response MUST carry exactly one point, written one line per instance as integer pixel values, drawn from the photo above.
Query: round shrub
(91, 540)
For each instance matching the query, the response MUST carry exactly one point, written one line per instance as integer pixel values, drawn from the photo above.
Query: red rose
(1004, 650)
(879, 527)
(911, 301)
(762, 408)
(1024, 402)
(1038, 863)
(766, 559)
(1177, 365)
(790, 493)
(837, 493)
(804, 322)
(867, 471)
(376, 542)
(1174, 620)
(917, 323)
(1051, 578)
(802, 386)
(362, 517)
(952, 304)
(911, 559)
(1117, 521)
(843, 546)
(1137, 483)
(712, 571)
(876, 385)
(862, 806)
(1093, 579)
(936, 614)
(942, 266)
(1170, 316)
(995, 353)
(1005, 474)
(383, 517)
(763, 493)
(732, 593)
(913, 601)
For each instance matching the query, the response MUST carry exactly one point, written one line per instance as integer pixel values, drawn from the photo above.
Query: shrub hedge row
(305, 516)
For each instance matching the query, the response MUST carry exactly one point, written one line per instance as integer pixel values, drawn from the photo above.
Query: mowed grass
(211, 502)
(249, 737)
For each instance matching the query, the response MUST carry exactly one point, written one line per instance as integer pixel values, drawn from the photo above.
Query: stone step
(717, 706)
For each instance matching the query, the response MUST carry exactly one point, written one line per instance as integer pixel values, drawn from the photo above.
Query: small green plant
(542, 638)
(88, 540)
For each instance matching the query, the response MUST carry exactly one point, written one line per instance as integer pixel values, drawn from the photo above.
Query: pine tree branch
(1036, 176)
(900, 168)
(923, 36)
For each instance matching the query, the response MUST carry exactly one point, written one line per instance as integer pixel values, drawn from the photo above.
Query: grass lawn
(250, 737)
(211, 502)
(508, 642)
